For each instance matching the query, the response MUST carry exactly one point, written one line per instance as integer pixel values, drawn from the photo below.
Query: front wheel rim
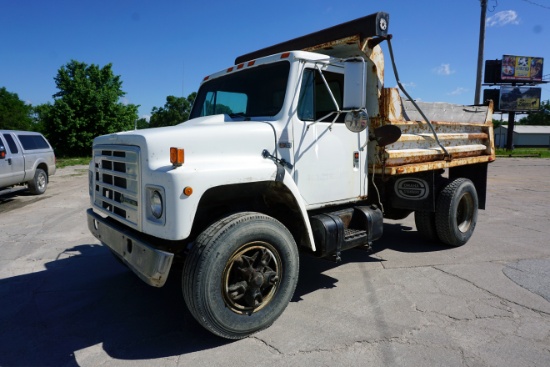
(251, 277)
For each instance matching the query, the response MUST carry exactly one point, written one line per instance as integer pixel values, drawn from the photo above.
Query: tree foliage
(541, 117)
(86, 105)
(142, 123)
(497, 123)
(175, 110)
(14, 113)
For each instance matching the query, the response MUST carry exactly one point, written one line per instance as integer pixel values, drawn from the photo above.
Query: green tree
(497, 123)
(87, 104)
(541, 117)
(142, 123)
(175, 110)
(14, 113)
(40, 114)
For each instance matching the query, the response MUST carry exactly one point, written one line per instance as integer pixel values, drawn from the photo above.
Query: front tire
(39, 182)
(456, 212)
(241, 274)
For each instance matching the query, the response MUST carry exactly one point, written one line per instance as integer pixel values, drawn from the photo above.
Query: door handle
(9, 161)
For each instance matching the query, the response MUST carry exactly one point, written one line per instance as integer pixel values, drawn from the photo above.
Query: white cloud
(146, 117)
(458, 91)
(502, 18)
(408, 85)
(444, 69)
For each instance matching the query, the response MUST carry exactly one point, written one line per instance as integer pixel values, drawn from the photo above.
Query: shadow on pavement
(403, 238)
(86, 298)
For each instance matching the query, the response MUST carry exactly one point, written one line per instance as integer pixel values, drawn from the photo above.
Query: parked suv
(26, 157)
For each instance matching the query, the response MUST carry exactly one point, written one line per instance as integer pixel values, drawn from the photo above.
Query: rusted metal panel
(466, 133)
(429, 166)
(338, 48)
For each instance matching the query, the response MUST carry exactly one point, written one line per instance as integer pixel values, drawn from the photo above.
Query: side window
(11, 144)
(315, 101)
(306, 105)
(32, 142)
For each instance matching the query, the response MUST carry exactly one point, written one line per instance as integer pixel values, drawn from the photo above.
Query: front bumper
(150, 264)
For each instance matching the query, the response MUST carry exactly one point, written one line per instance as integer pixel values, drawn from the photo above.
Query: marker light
(176, 156)
(188, 190)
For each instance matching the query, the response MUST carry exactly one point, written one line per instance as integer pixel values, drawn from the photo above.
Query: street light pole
(480, 50)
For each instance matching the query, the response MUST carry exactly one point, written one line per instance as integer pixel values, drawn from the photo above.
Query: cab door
(329, 165)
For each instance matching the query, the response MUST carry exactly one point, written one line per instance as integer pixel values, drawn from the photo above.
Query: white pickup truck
(26, 158)
(296, 147)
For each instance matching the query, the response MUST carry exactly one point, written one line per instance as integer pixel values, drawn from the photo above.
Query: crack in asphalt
(540, 312)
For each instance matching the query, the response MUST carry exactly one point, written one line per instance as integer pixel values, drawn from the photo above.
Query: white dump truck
(298, 147)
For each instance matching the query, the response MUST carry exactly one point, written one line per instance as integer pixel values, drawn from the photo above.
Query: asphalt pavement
(65, 300)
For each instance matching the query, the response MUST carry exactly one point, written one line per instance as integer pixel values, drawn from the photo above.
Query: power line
(537, 4)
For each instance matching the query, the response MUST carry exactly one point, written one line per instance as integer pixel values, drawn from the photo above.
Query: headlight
(156, 204)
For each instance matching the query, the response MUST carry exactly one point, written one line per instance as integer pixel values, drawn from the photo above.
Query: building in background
(524, 136)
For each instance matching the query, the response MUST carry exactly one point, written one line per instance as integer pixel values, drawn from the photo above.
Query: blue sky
(166, 47)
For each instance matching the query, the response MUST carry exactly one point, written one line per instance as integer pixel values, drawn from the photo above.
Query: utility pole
(510, 133)
(480, 50)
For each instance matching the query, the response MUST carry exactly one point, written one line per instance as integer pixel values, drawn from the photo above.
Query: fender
(291, 185)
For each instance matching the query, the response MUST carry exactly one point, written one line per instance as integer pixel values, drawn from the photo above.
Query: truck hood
(204, 138)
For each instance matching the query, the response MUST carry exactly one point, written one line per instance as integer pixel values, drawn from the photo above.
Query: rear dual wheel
(455, 216)
(241, 274)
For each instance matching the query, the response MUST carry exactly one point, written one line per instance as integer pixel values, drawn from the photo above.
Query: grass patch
(524, 152)
(64, 162)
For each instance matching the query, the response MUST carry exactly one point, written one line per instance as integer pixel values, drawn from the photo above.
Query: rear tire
(241, 274)
(456, 212)
(39, 183)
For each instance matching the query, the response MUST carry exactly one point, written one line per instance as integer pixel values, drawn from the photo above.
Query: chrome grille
(116, 182)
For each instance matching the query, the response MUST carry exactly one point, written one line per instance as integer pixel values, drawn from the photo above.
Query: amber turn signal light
(176, 156)
(188, 190)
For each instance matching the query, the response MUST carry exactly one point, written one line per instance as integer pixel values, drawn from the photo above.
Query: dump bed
(466, 133)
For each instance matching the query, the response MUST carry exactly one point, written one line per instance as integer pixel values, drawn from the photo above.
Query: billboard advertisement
(519, 99)
(521, 68)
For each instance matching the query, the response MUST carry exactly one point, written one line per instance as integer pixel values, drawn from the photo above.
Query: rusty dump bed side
(466, 132)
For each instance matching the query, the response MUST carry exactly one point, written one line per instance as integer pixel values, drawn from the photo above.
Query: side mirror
(355, 92)
(2, 152)
(355, 84)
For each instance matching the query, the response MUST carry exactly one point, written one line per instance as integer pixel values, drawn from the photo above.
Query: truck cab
(297, 94)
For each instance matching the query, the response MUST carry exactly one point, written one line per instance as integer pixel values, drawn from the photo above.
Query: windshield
(257, 91)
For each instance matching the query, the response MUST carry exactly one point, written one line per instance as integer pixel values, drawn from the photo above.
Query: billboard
(494, 95)
(519, 99)
(521, 68)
